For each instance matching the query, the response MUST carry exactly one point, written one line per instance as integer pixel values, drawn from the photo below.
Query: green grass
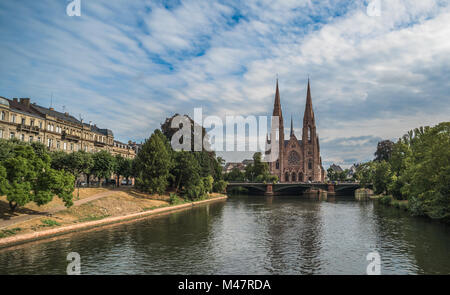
(49, 223)
(9, 232)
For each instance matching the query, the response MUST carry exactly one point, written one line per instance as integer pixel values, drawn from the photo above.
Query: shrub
(386, 200)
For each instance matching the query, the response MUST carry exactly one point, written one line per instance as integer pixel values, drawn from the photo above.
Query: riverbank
(118, 206)
(389, 200)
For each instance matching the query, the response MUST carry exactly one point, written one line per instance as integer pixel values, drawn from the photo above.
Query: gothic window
(277, 164)
(309, 133)
(310, 165)
(293, 158)
(294, 176)
(286, 176)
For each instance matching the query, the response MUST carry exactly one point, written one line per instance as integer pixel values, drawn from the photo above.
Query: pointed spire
(292, 127)
(277, 103)
(309, 113)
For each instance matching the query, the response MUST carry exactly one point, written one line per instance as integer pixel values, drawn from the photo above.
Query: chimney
(25, 101)
(51, 109)
(66, 114)
(15, 99)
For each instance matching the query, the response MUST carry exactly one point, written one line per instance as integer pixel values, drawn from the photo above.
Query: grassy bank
(389, 200)
(115, 204)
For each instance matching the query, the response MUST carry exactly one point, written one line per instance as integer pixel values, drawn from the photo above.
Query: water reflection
(249, 235)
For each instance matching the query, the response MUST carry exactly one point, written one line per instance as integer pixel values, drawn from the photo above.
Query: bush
(386, 200)
(220, 186)
(175, 200)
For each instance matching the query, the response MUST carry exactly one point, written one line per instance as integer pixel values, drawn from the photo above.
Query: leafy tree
(384, 150)
(26, 175)
(186, 169)
(104, 165)
(427, 172)
(364, 173)
(235, 175)
(381, 177)
(153, 164)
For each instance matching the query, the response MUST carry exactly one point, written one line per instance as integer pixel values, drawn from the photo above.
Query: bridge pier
(269, 190)
(331, 189)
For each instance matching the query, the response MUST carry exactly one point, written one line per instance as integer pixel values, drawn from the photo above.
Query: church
(298, 160)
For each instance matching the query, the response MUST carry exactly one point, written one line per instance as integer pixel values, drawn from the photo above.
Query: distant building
(30, 122)
(336, 168)
(240, 165)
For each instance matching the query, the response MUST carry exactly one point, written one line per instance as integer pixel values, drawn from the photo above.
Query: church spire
(277, 104)
(292, 127)
(309, 113)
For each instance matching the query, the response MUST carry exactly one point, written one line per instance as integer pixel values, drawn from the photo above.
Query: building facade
(298, 160)
(30, 122)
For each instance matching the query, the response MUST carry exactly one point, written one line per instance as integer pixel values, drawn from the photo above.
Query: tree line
(31, 173)
(258, 171)
(191, 174)
(415, 168)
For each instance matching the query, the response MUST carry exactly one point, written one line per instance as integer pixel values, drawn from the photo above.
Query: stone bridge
(296, 188)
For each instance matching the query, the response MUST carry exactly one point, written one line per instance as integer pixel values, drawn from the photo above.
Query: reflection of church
(298, 160)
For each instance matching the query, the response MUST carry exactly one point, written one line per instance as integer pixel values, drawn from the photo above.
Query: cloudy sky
(127, 65)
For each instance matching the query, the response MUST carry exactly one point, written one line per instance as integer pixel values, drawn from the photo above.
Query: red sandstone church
(298, 160)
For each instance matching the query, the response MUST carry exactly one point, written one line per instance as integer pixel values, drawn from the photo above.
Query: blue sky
(127, 65)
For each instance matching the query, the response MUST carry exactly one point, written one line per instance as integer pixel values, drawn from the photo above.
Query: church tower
(310, 142)
(277, 166)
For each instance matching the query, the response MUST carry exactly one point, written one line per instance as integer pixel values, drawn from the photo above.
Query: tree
(235, 175)
(103, 165)
(26, 175)
(153, 164)
(381, 177)
(364, 173)
(384, 150)
(186, 169)
(427, 172)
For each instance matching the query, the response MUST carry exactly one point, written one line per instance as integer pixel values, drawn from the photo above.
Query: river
(249, 235)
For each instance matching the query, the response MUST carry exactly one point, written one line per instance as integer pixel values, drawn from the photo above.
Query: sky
(127, 65)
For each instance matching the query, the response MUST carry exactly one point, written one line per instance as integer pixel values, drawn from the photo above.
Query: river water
(249, 235)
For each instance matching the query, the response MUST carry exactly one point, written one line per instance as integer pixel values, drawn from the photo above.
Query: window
(13, 118)
(277, 164)
(49, 142)
(23, 121)
(65, 146)
(310, 165)
(39, 139)
(22, 137)
(3, 116)
(40, 124)
(31, 122)
(11, 135)
(1, 133)
(58, 144)
(30, 139)
(71, 146)
(309, 133)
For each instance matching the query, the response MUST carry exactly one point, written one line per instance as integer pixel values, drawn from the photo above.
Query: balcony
(28, 128)
(71, 137)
